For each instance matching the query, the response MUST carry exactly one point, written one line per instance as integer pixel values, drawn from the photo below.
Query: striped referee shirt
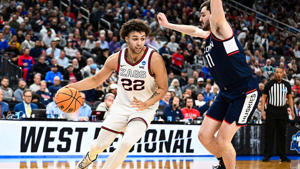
(277, 92)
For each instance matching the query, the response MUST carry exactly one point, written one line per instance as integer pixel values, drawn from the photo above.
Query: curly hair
(134, 25)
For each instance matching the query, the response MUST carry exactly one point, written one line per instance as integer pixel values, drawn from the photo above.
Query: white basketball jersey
(135, 80)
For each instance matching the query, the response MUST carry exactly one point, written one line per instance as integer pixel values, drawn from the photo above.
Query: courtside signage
(74, 138)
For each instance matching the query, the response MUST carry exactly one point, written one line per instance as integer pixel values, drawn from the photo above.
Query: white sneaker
(85, 162)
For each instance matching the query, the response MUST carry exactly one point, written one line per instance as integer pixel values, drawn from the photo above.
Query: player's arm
(110, 65)
(157, 67)
(186, 29)
(219, 25)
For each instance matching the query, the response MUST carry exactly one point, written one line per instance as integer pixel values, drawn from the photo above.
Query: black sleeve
(289, 88)
(267, 87)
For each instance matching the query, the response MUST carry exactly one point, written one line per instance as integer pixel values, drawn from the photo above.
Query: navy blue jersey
(226, 61)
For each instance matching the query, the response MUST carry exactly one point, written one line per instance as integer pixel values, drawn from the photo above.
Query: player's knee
(127, 144)
(222, 141)
(204, 137)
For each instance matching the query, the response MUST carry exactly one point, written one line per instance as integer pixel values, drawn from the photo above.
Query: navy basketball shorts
(235, 106)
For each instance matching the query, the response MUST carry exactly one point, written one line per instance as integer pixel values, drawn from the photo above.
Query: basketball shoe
(85, 162)
(221, 164)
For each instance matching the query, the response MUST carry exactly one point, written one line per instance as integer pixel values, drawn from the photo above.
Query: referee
(277, 92)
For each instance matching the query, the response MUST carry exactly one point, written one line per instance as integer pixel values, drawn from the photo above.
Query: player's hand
(138, 104)
(162, 19)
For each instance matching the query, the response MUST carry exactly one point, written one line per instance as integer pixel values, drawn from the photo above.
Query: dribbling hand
(162, 19)
(138, 104)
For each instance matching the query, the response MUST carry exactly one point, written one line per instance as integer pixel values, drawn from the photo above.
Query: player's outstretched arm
(186, 29)
(218, 23)
(110, 65)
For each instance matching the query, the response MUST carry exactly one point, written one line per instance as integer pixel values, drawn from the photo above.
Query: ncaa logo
(295, 144)
(143, 63)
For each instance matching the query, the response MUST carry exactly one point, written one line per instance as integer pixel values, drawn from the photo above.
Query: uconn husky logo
(295, 145)
(208, 56)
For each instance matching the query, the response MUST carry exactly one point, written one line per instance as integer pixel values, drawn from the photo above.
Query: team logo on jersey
(143, 63)
(295, 144)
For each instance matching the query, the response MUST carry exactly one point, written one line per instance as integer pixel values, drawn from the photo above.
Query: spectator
(190, 85)
(200, 85)
(176, 87)
(113, 88)
(56, 86)
(70, 49)
(188, 111)
(41, 67)
(208, 96)
(37, 50)
(17, 44)
(82, 114)
(104, 106)
(27, 43)
(44, 94)
(7, 91)
(172, 112)
(183, 78)
(165, 101)
(3, 105)
(200, 100)
(26, 62)
(36, 83)
(3, 42)
(177, 61)
(18, 94)
(72, 76)
(13, 53)
(90, 42)
(103, 42)
(114, 45)
(36, 100)
(296, 88)
(62, 60)
(53, 73)
(25, 108)
(48, 38)
(172, 45)
(53, 112)
(53, 51)
(151, 42)
(92, 71)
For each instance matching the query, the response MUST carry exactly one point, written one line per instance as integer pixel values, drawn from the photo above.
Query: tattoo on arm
(155, 94)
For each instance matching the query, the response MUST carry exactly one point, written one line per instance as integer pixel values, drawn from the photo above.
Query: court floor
(244, 162)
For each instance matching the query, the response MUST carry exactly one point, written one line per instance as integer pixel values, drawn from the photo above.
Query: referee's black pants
(276, 123)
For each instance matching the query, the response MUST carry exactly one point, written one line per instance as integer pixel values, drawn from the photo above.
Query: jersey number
(130, 85)
(209, 60)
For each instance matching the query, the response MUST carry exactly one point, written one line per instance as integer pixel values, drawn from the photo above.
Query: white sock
(135, 130)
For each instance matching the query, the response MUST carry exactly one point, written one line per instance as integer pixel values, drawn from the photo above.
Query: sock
(221, 162)
(135, 130)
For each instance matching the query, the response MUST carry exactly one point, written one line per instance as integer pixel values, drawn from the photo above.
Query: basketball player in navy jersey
(142, 82)
(238, 96)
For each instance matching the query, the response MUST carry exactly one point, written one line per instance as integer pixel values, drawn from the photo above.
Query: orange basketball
(68, 100)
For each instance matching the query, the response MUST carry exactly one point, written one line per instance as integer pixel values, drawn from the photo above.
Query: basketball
(68, 100)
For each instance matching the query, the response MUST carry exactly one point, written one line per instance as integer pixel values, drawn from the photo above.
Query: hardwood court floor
(145, 163)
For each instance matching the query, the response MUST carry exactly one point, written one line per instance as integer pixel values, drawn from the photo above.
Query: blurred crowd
(57, 45)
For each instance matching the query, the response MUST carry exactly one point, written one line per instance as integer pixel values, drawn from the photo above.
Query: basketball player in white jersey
(142, 82)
